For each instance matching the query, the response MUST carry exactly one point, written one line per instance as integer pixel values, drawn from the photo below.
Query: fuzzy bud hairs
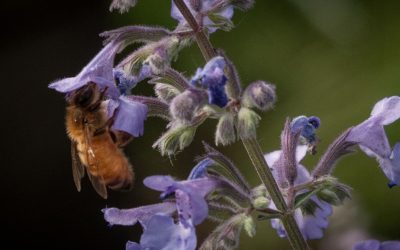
(287, 170)
(122, 5)
(339, 148)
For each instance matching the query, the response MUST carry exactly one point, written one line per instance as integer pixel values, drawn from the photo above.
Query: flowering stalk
(201, 38)
(251, 144)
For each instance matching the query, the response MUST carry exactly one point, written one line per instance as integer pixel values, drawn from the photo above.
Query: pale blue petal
(387, 110)
(129, 217)
(99, 70)
(159, 182)
(132, 246)
(367, 245)
(162, 233)
(130, 117)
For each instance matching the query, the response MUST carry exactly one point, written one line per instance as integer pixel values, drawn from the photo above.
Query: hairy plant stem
(204, 44)
(252, 146)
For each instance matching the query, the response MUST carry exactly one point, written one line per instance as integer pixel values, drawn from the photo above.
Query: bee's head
(86, 97)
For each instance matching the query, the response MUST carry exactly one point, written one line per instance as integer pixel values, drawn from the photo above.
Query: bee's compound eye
(84, 98)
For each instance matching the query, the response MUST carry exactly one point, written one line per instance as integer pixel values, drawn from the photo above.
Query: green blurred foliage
(332, 59)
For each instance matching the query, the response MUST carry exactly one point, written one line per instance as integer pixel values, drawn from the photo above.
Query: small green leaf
(221, 22)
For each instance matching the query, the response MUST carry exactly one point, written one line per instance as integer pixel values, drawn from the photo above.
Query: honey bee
(94, 146)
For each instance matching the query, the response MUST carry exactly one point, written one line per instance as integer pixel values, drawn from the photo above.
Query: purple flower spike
(163, 233)
(212, 77)
(196, 190)
(372, 139)
(376, 245)
(99, 70)
(311, 226)
(201, 10)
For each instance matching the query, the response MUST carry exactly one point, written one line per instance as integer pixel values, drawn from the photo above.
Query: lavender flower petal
(200, 169)
(129, 217)
(212, 77)
(376, 245)
(132, 246)
(308, 126)
(159, 182)
(99, 70)
(130, 117)
(372, 139)
(163, 233)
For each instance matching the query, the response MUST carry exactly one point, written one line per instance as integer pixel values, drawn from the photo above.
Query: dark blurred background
(333, 59)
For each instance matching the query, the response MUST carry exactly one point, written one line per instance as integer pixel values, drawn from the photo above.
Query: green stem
(257, 158)
(252, 147)
(204, 44)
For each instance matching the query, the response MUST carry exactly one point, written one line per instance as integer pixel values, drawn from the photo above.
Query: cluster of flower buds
(207, 95)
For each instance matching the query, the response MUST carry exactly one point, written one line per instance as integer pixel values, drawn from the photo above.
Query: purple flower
(201, 9)
(127, 115)
(99, 71)
(376, 245)
(200, 170)
(308, 125)
(163, 233)
(160, 230)
(212, 77)
(372, 139)
(126, 82)
(311, 226)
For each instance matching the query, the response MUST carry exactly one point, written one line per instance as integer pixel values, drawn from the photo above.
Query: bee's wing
(97, 181)
(78, 170)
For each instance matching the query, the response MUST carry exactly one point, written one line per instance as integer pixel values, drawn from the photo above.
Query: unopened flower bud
(158, 61)
(165, 92)
(308, 127)
(249, 226)
(260, 203)
(247, 123)
(184, 106)
(225, 132)
(259, 95)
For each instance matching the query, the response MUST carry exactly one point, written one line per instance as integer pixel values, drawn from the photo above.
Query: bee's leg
(120, 138)
(104, 128)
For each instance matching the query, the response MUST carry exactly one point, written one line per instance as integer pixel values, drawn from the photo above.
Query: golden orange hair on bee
(95, 148)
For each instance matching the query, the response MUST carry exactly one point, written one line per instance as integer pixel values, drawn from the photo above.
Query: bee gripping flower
(371, 137)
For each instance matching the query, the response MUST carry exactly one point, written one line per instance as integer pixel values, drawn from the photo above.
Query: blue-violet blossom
(202, 10)
(308, 125)
(376, 245)
(372, 139)
(212, 77)
(160, 230)
(128, 115)
(311, 226)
